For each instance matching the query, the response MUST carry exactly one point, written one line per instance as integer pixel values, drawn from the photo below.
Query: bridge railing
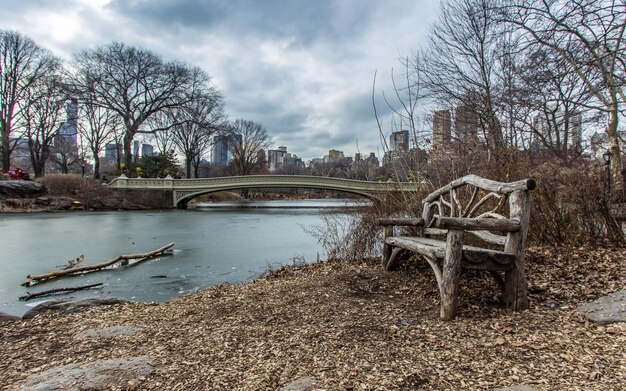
(262, 181)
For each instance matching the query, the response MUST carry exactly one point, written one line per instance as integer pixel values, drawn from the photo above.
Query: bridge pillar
(182, 204)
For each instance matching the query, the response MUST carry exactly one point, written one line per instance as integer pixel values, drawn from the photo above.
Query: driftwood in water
(58, 290)
(122, 259)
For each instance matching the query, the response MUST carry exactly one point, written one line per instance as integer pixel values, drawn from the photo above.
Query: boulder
(300, 384)
(21, 189)
(70, 306)
(105, 374)
(606, 309)
(43, 201)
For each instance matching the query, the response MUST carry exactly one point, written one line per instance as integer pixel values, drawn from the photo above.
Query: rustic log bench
(478, 206)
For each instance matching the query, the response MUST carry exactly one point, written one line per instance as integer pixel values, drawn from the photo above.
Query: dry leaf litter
(351, 326)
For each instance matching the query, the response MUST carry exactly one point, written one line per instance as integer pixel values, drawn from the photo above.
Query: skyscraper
(222, 147)
(399, 141)
(67, 134)
(466, 124)
(442, 125)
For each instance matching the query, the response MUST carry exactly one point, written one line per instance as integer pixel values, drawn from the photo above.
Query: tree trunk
(6, 156)
(96, 166)
(616, 158)
(187, 167)
(128, 157)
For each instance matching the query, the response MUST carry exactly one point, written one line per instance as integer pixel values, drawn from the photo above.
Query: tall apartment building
(399, 141)
(113, 151)
(442, 127)
(466, 124)
(222, 147)
(68, 131)
(147, 150)
(334, 156)
(276, 157)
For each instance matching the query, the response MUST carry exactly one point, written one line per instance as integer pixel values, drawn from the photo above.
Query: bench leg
(392, 263)
(449, 287)
(387, 249)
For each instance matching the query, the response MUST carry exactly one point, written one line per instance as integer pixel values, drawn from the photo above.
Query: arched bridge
(184, 190)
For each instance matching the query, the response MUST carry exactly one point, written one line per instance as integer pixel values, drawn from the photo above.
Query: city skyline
(304, 70)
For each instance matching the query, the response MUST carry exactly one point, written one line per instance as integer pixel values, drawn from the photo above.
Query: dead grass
(353, 326)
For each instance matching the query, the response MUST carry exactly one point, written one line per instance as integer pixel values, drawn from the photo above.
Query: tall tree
(97, 127)
(459, 64)
(589, 36)
(134, 83)
(249, 139)
(22, 64)
(43, 112)
(196, 123)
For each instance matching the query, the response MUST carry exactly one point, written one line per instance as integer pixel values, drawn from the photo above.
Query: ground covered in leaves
(352, 326)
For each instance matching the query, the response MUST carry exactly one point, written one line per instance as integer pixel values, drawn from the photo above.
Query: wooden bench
(478, 206)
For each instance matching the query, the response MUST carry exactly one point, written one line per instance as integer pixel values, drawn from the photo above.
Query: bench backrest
(474, 197)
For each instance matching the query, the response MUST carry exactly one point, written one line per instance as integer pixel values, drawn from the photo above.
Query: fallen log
(29, 296)
(72, 263)
(123, 259)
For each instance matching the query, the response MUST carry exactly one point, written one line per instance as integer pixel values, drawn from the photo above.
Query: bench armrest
(415, 222)
(474, 224)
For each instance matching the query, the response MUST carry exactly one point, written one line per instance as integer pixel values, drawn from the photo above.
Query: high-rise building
(576, 130)
(466, 124)
(147, 150)
(68, 131)
(334, 156)
(442, 125)
(399, 141)
(372, 159)
(113, 151)
(276, 157)
(222, 147)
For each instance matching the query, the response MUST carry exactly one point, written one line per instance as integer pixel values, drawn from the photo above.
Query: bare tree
(589, 36)
(163, 138)
(249, 140)
(43, 112)
(555, 100)
(459, 64)
(197, 122)
(22, 64)
(134, 83)
(64, 153)
(97, 127)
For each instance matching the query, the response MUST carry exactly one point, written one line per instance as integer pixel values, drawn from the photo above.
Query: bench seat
(475, 258)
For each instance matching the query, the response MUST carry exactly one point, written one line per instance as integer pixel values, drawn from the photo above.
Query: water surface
(212, 245)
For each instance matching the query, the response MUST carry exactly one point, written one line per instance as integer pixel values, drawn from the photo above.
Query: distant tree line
(121, 92)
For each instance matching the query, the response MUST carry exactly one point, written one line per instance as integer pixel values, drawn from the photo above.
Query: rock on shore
(21, 189)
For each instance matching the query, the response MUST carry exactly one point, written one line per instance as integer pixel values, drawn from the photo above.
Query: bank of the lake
(348, 325)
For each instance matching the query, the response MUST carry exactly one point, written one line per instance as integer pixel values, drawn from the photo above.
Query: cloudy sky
(303, 68)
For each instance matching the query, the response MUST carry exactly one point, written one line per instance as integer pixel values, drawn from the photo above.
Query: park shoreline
(349, 324)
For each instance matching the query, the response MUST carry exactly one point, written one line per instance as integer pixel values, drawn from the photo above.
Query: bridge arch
(182, 198)
(183, 190)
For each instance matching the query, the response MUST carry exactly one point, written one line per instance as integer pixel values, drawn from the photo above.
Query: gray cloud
(302, 68)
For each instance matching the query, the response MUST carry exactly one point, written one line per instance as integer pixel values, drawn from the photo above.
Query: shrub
(62, 184)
